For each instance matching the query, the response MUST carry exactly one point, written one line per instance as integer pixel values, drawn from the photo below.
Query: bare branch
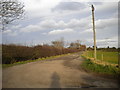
(10, 10)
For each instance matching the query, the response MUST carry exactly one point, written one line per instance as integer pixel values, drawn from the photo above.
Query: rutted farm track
(64, 71)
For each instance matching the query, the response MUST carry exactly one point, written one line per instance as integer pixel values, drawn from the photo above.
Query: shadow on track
(55, 81)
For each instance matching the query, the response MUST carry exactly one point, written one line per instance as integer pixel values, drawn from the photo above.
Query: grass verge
(28, 61)
(101, 69)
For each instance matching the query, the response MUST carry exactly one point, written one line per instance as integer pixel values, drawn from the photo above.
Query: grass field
(105, 56)
(111, 57)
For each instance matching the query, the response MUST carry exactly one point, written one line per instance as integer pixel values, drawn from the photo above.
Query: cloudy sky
(49, 20)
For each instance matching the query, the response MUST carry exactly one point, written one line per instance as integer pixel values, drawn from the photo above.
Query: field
(103, 56)
(111, 57)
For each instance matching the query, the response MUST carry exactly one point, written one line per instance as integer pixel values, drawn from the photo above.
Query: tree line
(14, 53)
(109, 49)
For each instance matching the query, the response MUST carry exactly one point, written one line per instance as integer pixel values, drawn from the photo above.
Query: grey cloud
(75, 16)
(103, 23)
(52, 24)
(64, 31)
(68, 6)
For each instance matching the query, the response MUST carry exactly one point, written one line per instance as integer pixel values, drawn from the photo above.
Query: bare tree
(75, 44)
(10, 10)
(58, 43)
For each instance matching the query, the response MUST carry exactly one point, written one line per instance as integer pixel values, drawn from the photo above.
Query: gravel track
(61, 72)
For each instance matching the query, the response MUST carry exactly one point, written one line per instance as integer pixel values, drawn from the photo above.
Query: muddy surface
(64, 72)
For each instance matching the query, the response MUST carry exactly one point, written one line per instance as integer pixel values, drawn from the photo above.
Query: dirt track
(61, 72)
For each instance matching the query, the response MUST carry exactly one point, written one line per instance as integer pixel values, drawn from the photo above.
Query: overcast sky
(49, 20)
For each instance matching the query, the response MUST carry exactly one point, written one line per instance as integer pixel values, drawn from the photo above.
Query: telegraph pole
(94, 33)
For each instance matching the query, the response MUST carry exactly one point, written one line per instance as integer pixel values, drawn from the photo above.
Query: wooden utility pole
(118, 58)
(94, 33)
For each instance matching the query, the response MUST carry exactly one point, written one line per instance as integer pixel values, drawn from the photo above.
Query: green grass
(111, 57)
(88, 65)
(28, 61)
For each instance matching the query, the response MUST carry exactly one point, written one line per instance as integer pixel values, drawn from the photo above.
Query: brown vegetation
(14, 53)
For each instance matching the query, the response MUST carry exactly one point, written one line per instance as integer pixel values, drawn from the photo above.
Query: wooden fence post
(102, 57)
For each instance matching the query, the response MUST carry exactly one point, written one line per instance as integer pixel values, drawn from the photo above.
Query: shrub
(15, 53)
